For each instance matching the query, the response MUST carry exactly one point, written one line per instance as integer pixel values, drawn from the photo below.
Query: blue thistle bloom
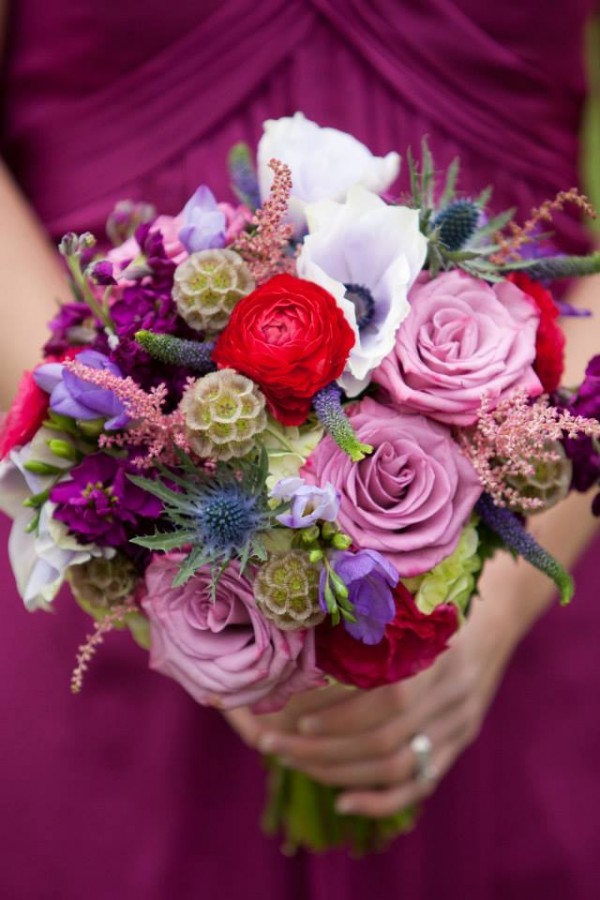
(457, 223)
(327, 404)
(511, 530)
(227, 517)
(220, 516)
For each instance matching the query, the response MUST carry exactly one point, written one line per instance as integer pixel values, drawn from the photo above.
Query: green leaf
(450, 185)
(165, 540)
(157, 489)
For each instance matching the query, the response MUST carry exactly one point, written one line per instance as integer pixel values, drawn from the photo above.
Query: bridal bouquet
(278, 440)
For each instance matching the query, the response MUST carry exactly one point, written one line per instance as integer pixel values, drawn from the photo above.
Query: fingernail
(268, 743)
(309, 725)
(344, 805)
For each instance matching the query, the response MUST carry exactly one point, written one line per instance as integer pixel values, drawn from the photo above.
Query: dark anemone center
(362, 298)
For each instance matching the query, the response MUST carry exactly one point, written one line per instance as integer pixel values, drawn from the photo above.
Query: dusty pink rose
(225, 653)
(411, 498)
(462, 337)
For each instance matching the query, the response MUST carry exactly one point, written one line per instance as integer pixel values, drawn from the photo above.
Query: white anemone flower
(325, 163)
(368, 255)
(39, 560)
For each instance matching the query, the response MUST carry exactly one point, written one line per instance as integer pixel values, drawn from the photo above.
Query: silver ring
(422, 747)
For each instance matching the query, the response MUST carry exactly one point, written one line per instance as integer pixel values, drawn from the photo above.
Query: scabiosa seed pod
(549, 482)
(286, 591)
(224, 412)
(457, 223)
(208, 285)
(100, 583)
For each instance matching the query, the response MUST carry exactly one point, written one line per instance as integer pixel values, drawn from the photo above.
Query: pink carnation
(461, 339)
(224, 654)
(411, 498)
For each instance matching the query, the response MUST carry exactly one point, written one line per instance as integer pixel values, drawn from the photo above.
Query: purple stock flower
(72, 325)
(310, 504)
(583, 451)
(369, 577)
(74, 397)
(205, 224)
(101, 272)
(100, 504)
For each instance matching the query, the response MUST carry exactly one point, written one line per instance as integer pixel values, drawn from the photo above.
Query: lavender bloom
(369, 577)
(310, 504)
(100, 504)
(204, 224)
(74, 397)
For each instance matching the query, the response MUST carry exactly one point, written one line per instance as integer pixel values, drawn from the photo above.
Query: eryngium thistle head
(286, 591)
(227, 518)
(549, 482)
(457, 223)
(208, 285)
(223, 412)
(100, 583)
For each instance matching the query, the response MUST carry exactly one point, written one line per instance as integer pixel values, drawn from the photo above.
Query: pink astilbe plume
(511, 438)
(113, 619)
(264, 249)
(159, 434)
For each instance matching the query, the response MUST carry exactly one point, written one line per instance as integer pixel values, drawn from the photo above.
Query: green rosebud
(341, 541)
(41, 468)
(310, 535)
(64, 450)
(91, 427)
(36, 500)
(328, 531)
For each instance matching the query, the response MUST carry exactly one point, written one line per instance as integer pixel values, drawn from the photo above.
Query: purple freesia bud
(204, 223)
(310, 504)
(102, 272)
(72, 396)
(369, 577)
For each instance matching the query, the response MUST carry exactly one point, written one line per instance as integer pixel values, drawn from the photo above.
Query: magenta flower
(411, 498)
(100, 504)
(462, 338)
(224, 653)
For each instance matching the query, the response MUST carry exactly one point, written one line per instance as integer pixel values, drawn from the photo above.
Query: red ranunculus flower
(25, 416)
(291, 338)
(550, 340)
(411, 642)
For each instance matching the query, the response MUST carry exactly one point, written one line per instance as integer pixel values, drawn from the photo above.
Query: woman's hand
(362, 742)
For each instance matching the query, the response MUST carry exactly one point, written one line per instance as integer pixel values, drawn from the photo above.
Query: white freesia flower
(39, 560)
(325, 163)
(367, 254)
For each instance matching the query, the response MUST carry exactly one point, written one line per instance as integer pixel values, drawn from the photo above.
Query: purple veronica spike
(204, 224)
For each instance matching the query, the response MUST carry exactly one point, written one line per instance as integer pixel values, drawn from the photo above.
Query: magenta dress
(131, 790)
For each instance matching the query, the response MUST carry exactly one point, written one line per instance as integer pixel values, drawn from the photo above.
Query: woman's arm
(31, 279)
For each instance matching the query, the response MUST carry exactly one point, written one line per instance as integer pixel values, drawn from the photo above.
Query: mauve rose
(224, 654)
(411, 498)
(462, 338)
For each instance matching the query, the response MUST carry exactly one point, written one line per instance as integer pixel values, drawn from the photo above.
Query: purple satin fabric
(131, 790)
